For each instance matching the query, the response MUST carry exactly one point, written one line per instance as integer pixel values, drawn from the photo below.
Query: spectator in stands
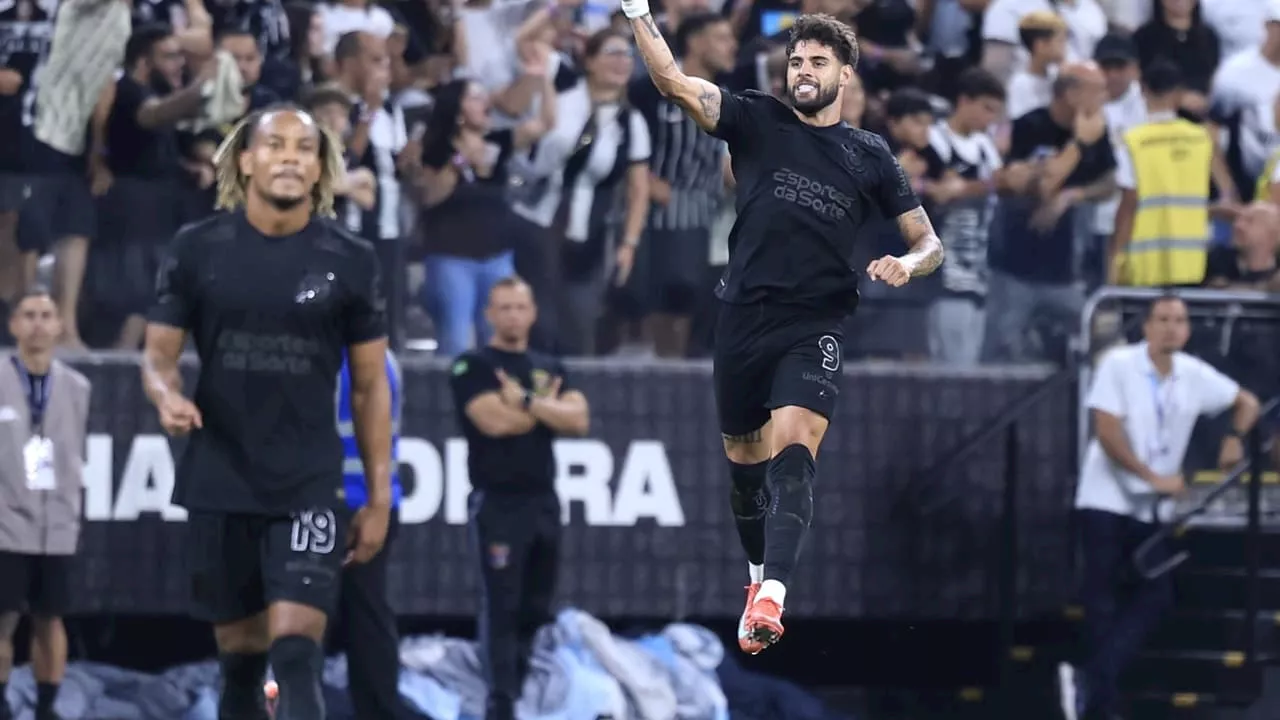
(467, 220)
(1238, 23)
(587, 223)
(348, 16)
(1268, 185)
(1059, 158)
(949, 29)
(331, 107)
(1145, 400)
(909, 115)
(306, 63)
(1125, 108)
(1243, 98)
(891, 55)
(44, 438)
(140, 211)
(1001, 55)
(492, 31)
(961, 164)
(685, 183)
(1179, 35)
(243, 46)
(1163, 169)
(1250, 263)
(1044, 36)
(57, 213)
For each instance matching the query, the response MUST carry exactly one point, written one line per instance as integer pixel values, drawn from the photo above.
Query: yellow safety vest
(1263, 190)
(1171, 166)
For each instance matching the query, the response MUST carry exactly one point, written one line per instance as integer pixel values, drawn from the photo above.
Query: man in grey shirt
(44, 414)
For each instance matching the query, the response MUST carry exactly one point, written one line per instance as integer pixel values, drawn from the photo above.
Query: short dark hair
(825, 30)
(693, 26)
(1166, 295)
(348, 46)
(325, 94)
(908, 101)
(1162, 77)
(143, 40)
(977, 83)
(35, 291)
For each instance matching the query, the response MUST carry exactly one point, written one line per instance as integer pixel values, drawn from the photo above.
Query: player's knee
(242, 678)
(791, 474)
(748, 496)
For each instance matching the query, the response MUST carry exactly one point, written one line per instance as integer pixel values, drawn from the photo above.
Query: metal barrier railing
(1230, 307)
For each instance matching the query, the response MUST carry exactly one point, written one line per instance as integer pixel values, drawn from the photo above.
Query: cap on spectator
(1273, 11)
(1042, 20)
(908, 101)
(1116, 49)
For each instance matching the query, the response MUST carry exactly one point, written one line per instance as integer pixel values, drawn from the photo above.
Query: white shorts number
(830, 348)
(314, 531)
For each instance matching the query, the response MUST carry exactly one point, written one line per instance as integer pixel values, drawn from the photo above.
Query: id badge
(37, 456)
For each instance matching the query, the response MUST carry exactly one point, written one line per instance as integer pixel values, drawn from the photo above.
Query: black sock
(297, 662)
(242, 677)
(46, 694)
(791, 475)
(749, 499)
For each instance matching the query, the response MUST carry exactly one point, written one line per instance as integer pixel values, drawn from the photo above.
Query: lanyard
(1163, 401)
(37, 389)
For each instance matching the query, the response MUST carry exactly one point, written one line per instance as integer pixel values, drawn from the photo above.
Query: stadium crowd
(490, 136)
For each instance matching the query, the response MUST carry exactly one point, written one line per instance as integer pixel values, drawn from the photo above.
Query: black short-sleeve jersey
(520, 463)
(270, 318)
(803, 195)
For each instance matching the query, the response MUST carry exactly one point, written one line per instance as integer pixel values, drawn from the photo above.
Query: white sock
(773, 590)
(756, 571)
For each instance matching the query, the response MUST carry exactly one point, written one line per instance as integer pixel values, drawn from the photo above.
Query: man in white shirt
(1243, 102)
(1145, 400)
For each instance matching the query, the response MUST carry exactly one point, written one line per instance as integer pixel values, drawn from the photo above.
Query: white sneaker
(1067, 691)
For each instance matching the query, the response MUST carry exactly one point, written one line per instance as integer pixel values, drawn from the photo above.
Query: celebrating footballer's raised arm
(699, 98)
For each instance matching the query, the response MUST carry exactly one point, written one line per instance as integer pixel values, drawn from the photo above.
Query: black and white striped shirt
(586, 180)
(685, 157)
(387, 137)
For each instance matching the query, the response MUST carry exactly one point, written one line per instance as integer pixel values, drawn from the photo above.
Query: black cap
(1115, 48)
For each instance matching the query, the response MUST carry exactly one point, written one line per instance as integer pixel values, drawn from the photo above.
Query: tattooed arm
(926, 249)
(699, 98)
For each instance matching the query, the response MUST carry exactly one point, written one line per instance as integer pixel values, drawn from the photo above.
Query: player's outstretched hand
(889, 269)
(178, 415)
(367, 534)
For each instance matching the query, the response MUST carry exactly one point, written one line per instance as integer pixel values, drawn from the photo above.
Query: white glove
(635, 8)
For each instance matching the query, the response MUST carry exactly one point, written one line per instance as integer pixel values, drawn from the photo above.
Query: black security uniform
(804, 194)
(270, 317)
(514, 515)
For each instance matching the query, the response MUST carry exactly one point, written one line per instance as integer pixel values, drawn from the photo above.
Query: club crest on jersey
(541, 381)
(314, 289)
(852, 159)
